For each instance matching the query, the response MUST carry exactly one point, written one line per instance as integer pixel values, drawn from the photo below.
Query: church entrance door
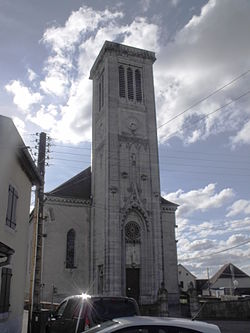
(133, 283)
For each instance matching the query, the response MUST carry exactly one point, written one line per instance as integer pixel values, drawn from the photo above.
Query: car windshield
(101, 326)
(109, 309)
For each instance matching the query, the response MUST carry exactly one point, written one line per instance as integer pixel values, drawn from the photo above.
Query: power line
(69, 147)
(217, 252)
(203, 99)
(208, 114)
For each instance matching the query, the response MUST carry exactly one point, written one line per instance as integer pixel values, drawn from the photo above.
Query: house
(229, 280)
(185, 278)
(17, 175)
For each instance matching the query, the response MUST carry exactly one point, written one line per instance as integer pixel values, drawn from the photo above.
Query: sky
(202, 91)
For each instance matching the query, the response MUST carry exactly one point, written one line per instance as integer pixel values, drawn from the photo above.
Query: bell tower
(127, 250)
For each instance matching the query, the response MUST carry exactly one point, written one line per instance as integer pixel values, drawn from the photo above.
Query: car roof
(94, 297)
(162, 321)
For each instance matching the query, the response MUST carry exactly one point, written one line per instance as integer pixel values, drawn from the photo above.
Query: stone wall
(233, 310)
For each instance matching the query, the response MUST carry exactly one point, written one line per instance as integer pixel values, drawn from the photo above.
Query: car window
(173, 329)
(72, 307)
(61, 308)
(79, 309)
(104, 309)
(156, 329)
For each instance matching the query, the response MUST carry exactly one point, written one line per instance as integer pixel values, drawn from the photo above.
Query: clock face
(132, 124)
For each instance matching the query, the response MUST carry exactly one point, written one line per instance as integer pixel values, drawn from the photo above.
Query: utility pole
(36, 274)
(208, 281)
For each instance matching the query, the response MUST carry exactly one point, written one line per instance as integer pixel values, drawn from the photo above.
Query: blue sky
(48, 48)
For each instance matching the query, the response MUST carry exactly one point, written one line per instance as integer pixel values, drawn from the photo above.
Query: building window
(70, 251)
(181, 284)
(130, 83)
(5, 290)
(11, 208)
(138, 85)
(121, 82)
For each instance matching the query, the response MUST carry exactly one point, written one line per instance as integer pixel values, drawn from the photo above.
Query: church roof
(120, 50)
(227, 271)
(78, 186)
(169, 203)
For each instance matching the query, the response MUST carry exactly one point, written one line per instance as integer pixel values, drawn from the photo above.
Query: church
(107, 230)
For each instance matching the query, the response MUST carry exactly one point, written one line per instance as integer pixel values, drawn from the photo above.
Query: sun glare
(85, 296)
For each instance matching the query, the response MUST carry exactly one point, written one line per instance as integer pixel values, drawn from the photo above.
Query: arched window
(130, 83)
(121, 82)
(138, 85)
(70, 250)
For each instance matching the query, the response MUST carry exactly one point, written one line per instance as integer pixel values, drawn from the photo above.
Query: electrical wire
(217, 252)
(205, 98)
(208, 114)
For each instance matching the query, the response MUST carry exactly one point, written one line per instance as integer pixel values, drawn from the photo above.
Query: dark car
(77, 313)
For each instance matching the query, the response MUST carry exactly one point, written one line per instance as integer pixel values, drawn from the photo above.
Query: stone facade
(125, 179)
(125, 229)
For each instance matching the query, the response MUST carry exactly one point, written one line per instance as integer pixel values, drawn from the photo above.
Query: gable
(78, 187)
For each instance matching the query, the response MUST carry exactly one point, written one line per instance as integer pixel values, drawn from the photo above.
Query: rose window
(132, 231)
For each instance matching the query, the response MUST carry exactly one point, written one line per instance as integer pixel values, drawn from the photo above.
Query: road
(231, 326)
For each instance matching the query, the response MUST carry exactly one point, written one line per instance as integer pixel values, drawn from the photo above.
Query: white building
(186, 278)
(17, 174)
(108, 230)
(229, 280)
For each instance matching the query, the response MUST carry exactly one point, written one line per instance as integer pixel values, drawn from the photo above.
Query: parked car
(80, 312)
(154, 325)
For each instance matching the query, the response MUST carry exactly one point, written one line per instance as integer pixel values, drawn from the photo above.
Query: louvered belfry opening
(130, 83)
(122, 82)
(138, 85)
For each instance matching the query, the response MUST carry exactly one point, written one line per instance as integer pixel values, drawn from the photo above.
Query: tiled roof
(77, 187)
(227, 271)
(166, 202)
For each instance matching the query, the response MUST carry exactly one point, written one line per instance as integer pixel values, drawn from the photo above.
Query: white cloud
(202, 199)
(239, 207)
(236, 239)
(142, 34)
(23, 96)
(64, 43)
(45, 117)
(73, 48)
(201, 59)
(20, 125)
(243, 136)
(200, 240)
(31, 75)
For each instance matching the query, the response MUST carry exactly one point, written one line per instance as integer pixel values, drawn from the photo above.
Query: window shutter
(15, 197)
(5, 290)
(9, 207)
(121, 82)
(130, 83)
(138, 85)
